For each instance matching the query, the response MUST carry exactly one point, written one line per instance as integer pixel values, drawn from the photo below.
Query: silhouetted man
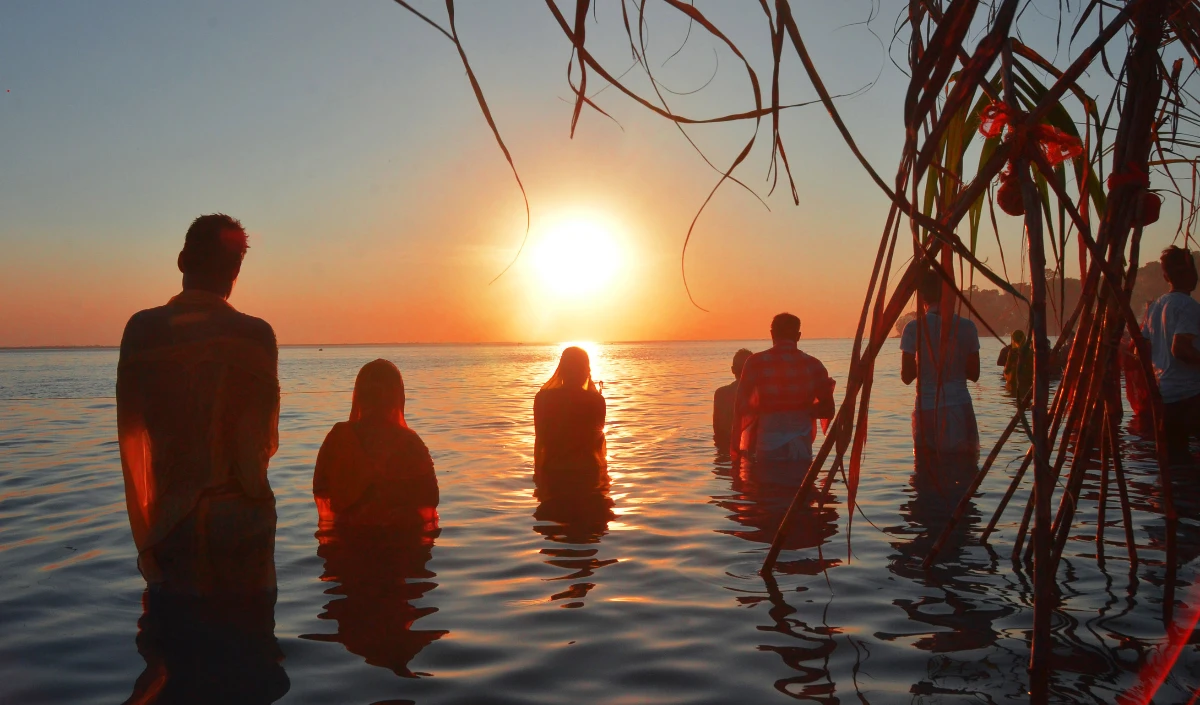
(197, 416)
(724, 398)
(780, 395)
(944, 419)
(1172, 326)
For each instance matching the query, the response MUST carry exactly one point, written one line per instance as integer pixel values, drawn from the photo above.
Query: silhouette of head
(929, 286)
(574, 368)
(212, 253)
(378, 393)
(1018, 337)
(1179, 269)
(739, 361)
(785, 327)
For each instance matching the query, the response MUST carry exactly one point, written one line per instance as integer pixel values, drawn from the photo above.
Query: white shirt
(1173, 314)
(950, 378)
(779, 429)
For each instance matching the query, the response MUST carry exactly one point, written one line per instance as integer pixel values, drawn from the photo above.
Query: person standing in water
(570, 472)
(943, 421)
(781, 394)
(1172, 326)
(723, 400)
(373, 470)
(197, 420)
(1017, 360)
(569, 451)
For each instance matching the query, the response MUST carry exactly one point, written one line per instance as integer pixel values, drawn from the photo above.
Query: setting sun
(576, 257)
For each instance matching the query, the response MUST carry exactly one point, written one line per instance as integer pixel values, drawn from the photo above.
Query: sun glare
(576, 258)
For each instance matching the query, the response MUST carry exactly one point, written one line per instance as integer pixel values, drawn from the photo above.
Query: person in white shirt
(1172, 326)
(943, 421)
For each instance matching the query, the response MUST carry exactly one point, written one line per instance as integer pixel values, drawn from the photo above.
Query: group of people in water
(198, 404)
(771, 410)
(1171, 325)
(198, 411)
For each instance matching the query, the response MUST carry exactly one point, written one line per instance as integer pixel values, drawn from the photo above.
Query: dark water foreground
(659, 602)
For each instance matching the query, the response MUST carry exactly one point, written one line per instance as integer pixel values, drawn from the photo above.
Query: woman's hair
(574, 368)
(378, 390)
(1018, 336)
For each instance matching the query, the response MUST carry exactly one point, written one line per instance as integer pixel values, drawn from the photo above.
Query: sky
(346, 138)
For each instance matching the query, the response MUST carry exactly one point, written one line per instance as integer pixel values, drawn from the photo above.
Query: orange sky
(396, 272)
(378, 206)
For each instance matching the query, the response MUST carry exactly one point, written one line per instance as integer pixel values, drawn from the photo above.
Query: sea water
(660, 603)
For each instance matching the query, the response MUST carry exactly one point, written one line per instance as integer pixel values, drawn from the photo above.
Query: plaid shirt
(783, 378)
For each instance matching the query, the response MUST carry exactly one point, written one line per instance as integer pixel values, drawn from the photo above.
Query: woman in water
(568, 417)
(373, 470)
(570, 470)
(1017, 360)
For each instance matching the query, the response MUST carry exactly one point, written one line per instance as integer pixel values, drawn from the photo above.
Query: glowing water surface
(662, 604)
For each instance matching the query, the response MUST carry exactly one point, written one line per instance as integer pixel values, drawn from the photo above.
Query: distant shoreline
(53, 348)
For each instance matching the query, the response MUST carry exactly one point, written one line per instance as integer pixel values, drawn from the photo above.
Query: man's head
(1018, 337)
(212, 253)
(739, 361)
(785, 327)
(1179, 269)
(929, 286)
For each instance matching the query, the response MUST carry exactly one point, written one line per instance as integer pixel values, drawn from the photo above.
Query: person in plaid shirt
(781, 394)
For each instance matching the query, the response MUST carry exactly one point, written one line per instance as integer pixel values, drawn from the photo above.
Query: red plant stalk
(1012, 488)
(1079, 398)
(1084, 446)
(1102, 502)
(1043, 579)
(1123, 495)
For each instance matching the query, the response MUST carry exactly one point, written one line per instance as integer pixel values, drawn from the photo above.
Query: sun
(576, 257)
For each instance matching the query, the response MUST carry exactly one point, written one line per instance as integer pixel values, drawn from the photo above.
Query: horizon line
(448, 343)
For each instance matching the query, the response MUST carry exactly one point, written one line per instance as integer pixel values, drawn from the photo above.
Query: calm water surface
(661, 604)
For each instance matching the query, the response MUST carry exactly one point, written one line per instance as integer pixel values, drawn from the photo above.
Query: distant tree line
(1006, 313)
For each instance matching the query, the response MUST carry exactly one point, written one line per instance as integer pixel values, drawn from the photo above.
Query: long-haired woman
(568, 418)
(373, 470)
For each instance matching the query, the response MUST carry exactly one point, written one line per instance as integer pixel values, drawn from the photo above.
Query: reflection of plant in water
(961, 614)
(757, 505)
(1071, 167)
(815, 684)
